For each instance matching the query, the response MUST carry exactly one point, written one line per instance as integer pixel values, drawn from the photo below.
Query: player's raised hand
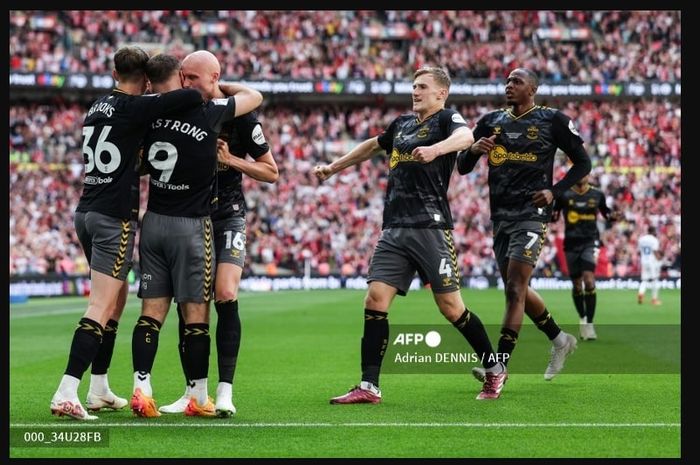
(221, 150)
(483, 145)
(425, 154)
(323, 172)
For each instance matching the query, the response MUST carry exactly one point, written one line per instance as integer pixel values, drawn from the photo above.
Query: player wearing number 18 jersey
(239, 139)
(105, 221)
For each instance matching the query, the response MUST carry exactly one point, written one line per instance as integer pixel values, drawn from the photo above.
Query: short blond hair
(439, 74)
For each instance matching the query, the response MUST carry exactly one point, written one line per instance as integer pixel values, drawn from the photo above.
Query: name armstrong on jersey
(179, 126)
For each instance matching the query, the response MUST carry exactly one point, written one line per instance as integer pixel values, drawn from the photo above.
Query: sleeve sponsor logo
(457, 118)
(257, 135)
(220, 101)
(573, 129)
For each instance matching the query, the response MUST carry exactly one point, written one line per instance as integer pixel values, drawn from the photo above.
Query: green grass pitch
(300, 348)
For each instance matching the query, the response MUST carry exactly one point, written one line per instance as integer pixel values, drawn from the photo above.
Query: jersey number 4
(93, 156)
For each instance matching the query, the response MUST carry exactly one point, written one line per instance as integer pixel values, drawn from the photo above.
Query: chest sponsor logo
(397, 158)
(574, 217)
(499, 155)
(422, 132)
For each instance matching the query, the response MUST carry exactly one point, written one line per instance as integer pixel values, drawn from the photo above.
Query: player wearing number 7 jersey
(105, 221)
(520, 143)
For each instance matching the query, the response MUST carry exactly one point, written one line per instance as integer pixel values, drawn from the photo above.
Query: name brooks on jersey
(179, 126)
(102, 107)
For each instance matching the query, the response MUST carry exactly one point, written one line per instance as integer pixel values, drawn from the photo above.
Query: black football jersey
(522, 161)
(180, 155)
(245, 137)
(416, 194)
(113, 132)
(580, 213)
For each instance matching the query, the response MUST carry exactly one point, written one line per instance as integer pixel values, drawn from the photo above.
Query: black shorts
(177, 258)
(108, 242)
(518, 240)
(230, 240)
(582, 257)
(401, 252)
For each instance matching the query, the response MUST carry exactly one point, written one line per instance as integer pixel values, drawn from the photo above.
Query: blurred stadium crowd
(623, 45)
(634, 144)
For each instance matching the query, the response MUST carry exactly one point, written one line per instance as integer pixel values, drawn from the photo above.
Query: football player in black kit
(238, 138)
(580, 206)
(521, 142)
(416, 230)
(176, 248)
(105, 222)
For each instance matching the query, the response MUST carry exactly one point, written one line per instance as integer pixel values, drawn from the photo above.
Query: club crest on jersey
(532, 132)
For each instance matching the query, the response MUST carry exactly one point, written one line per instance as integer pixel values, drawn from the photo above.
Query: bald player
(242, 150)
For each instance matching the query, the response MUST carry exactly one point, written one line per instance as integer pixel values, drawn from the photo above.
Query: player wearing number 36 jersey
(105, 222)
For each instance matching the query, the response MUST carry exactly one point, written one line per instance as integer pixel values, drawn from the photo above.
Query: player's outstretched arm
(360, 153)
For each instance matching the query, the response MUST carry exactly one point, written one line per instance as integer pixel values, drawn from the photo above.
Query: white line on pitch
(216, 424)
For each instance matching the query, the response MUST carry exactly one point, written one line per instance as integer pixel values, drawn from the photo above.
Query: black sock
(545, 323)
(181, 342)
(197, 343)
(591, 298)
(228, 339)
(100, 364)
(86, 343)
(474, 332)
(144, 343)
(374, 341)
(506, 344)
(579, 303)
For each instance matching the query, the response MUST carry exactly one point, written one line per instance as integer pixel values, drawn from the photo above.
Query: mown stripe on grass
(216, 424)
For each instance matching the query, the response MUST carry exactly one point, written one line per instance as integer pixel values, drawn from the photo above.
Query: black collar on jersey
(428, 117)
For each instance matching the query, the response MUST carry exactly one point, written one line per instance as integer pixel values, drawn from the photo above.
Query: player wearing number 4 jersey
(176, 248)
(105, 222)
(417, 229)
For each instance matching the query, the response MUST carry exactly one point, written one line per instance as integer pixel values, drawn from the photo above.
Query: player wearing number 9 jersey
(176, 249)
(105, 222)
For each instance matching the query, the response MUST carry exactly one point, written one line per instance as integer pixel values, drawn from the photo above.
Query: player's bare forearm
(360, 153)
(461, 139)
(247, 98)
(263, 169)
